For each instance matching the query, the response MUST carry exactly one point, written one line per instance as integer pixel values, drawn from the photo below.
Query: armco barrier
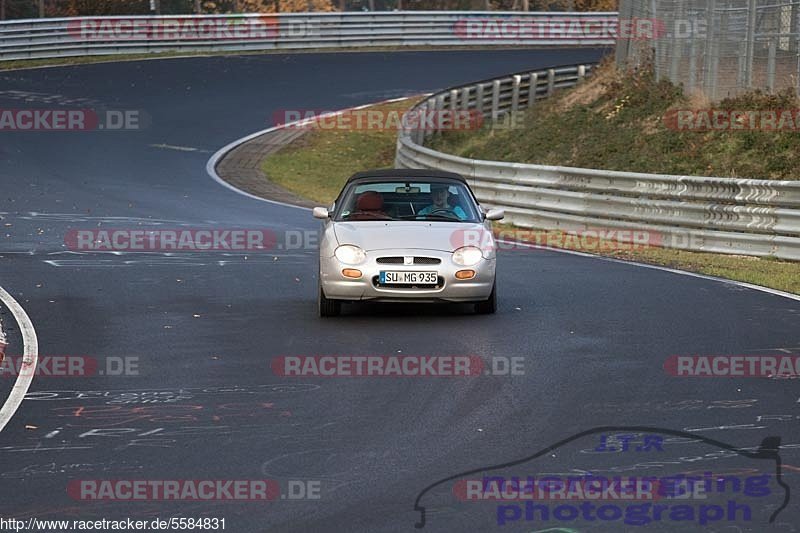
(87, 36)
(722, 215)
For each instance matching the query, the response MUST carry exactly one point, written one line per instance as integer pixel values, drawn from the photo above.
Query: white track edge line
(29, 360)
(211, 165)
(761, 288)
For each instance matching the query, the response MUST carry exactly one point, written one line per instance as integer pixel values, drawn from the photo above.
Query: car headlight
(351, 255)
(467, 256)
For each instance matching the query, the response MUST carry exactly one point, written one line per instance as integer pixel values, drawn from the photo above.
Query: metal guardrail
(84, 36)
(710, 214)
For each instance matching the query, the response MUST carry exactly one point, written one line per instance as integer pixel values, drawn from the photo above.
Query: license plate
(409, 278)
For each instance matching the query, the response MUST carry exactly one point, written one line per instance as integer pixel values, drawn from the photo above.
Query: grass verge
(317, 165)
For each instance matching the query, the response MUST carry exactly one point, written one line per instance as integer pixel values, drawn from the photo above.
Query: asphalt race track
(593, 334)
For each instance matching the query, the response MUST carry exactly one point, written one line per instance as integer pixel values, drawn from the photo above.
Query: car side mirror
(495, 214)
(321, 213)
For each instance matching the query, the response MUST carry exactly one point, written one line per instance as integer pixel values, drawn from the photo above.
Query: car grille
(417, 261)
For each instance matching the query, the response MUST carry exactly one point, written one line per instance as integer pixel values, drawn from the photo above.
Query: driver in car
(440, 194)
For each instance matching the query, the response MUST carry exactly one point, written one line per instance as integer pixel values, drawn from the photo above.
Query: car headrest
(370, 201)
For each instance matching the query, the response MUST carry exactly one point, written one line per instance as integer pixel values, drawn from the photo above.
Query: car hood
(381, 235)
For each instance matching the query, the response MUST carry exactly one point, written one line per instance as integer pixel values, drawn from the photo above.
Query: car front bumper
(449, 289)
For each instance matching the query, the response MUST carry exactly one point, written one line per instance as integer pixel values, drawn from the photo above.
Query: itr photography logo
(684, 498)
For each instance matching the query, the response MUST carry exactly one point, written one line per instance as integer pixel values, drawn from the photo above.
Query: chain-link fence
(721, 47)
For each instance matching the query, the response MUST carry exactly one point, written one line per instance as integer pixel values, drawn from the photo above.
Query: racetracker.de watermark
(58, 119)
(589, 240)
(173, 240)
(69, 366)
(237, 28)
(243, 490)
(581, 28)
(379, 119)
(733, 366)
(404, 366)
(704, 120)
(554, 488)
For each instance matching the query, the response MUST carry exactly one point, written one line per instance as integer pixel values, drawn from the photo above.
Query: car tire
(328, 307)
(489, 306)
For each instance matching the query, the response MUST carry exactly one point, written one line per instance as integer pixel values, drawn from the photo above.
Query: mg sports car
(406, 236)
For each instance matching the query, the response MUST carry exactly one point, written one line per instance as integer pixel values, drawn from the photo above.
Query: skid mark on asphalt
(179, 148)
(55, 468)
(144, 396)
(77, 217)
(119, 259)
(154, 418)
(46, 98)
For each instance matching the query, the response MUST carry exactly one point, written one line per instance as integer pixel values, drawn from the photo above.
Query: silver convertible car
(406, 236)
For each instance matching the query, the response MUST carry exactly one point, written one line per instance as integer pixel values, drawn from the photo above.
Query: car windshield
(417, 200)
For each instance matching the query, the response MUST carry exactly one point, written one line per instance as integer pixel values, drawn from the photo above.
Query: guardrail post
(430, 107)
(515, 93)
(495, 100)
(437, 129)
(422, 124)
(551, 81)
(451, 120)
(581, 72)
(479, 98)
(465, 94)
(533, 82)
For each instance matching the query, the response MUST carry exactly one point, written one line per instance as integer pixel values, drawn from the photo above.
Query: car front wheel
(489, 306)
(328, 307)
